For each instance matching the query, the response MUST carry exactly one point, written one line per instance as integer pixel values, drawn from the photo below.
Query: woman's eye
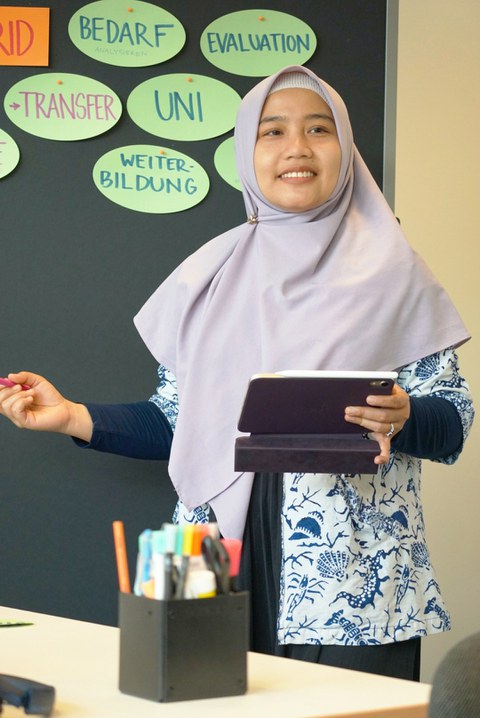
(318, 130)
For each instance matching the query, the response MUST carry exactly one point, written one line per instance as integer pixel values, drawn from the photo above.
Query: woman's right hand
(43, 408)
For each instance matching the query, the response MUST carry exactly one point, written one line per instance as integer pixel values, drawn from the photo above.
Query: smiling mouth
(288, 175)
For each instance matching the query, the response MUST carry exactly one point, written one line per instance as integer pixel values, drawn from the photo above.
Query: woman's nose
(299, 146)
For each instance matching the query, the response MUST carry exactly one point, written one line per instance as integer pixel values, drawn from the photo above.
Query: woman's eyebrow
(284, 118)
(273, 118)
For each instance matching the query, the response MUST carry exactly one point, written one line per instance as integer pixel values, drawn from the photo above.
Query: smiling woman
(337, 565)
(297, 155)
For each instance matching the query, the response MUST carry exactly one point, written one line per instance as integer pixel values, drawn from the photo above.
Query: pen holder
(183, 649)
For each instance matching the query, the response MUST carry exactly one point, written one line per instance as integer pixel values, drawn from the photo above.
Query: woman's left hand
(384, 417)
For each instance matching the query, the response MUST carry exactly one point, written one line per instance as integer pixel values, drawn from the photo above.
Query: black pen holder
(183, 649)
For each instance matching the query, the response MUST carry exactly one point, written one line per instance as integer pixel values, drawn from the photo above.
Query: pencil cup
(183, 649)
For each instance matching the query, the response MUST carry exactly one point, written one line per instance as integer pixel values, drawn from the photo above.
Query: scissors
(217, 559)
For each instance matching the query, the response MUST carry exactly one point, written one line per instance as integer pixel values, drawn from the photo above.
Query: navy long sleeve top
(142, 431)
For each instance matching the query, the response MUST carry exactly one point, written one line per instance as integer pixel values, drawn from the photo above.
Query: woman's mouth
(295, 175)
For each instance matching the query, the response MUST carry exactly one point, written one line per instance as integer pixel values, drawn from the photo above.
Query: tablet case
(297, 424)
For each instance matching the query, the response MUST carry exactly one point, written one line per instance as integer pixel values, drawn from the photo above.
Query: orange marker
(121, 557)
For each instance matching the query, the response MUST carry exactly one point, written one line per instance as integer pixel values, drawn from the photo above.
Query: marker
(121, 556)
(196, 558)
(159, 569)
(186, 553)
(144, 557)
(178, 545)
(170, 576)
(234, 550)
(6, 382)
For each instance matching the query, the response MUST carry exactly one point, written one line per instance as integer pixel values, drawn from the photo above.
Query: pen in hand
(6, 382)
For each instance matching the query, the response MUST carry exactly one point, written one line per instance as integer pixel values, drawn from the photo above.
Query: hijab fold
(336, 287)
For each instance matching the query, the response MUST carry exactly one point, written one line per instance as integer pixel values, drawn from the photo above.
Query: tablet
(309, 402)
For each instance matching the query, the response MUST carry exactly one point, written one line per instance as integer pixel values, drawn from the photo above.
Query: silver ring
(391, 432)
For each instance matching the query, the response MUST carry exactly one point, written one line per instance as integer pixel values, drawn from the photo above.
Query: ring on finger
(391, 432)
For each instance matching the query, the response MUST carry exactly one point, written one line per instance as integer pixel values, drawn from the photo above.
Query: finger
(374, 421)
(384, 444)
(26, 378)
(9, 393)
(391, 401)
(16, 409)
(379, 414)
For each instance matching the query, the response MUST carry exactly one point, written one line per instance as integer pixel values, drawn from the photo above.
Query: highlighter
(186, 553)
(121, 556)
(144, 558)
(160, 570)
(234, 550)
(6, 382)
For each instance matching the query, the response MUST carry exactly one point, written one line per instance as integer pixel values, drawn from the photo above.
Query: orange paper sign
(24, 35)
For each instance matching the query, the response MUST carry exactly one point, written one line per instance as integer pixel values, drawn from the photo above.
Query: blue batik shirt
(356, 568)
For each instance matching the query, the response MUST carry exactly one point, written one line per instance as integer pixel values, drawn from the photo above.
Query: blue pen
(143, 561)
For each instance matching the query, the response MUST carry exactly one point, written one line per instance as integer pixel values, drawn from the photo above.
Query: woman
(319, 277)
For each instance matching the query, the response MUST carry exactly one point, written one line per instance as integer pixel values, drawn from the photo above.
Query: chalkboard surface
(75, 269)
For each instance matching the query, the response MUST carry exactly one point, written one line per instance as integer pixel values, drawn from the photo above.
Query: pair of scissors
(217, 560)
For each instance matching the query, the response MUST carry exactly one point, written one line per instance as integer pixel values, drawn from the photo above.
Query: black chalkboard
(75, 268)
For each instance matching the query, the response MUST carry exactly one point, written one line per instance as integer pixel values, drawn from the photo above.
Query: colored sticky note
(24, 35)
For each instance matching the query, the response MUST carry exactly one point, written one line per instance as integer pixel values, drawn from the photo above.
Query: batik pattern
(356, 568)
(166, 398)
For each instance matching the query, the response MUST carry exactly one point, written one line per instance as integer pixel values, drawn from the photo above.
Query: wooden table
(81, 660)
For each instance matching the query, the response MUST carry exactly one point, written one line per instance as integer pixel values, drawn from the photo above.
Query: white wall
(438, 200)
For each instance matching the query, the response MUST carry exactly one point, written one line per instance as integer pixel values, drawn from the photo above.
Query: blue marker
(144, 560)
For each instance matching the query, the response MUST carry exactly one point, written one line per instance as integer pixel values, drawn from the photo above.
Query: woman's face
(297, 154)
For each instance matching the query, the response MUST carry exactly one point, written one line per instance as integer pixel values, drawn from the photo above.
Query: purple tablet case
(297, 424)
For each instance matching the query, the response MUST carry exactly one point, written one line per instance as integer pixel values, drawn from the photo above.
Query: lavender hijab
(336, 287)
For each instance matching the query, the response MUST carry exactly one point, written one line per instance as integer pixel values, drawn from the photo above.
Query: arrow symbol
(14, 105)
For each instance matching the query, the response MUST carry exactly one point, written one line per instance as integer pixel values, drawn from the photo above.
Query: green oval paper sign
(184, 107)
(224, 160)
(147, 178)
(257, 43)
(62, 106)
(9, 154)
(129, 34)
